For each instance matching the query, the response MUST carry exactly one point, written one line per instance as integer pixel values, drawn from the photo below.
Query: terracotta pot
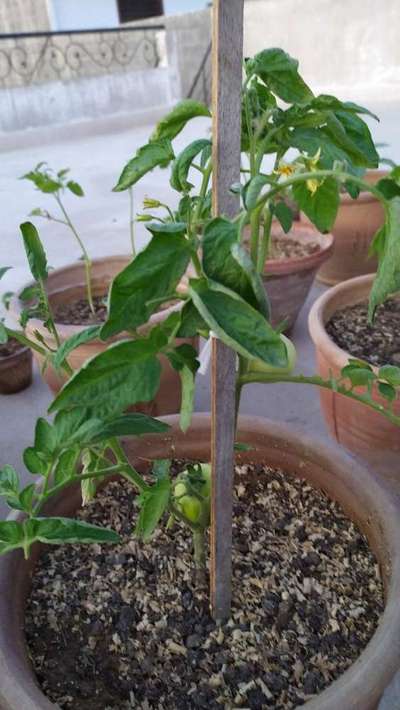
(361, 496)
(288, 281)
(356, 223)
(352, 424)
(16, 371)
(68, 284)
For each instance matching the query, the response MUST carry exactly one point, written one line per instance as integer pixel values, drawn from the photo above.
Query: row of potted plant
(201, 277)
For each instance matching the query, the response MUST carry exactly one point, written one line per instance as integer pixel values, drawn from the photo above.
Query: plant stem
(263, 248)
(86, 258)
(255, 234)
(126, 469)
(49, 314)
(132, 222)
(199, 554)
(332, 385)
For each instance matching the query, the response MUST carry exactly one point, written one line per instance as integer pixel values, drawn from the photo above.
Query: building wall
(23, 16)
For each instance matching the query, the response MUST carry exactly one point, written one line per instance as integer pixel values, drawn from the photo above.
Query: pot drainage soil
(378, 344)
(11, 347)
(284, 248)
(122, 627)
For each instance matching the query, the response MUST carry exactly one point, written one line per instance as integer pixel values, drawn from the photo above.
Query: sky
(171, 7)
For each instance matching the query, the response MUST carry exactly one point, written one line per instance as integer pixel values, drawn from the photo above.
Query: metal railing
(201, 85)
(36, 57)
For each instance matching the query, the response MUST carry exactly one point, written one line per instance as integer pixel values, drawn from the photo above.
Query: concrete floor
(96, 159)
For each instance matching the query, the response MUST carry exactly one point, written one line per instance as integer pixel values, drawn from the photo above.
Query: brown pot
(16, 371)
(345, 480)
(356, 223)
(351, 423)
(288, 281)
(68, 284)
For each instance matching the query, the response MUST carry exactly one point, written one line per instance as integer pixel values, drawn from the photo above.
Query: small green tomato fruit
(261, 366)
(191, 507)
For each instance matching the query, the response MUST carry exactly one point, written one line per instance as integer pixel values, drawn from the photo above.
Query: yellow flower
(312, 163)
(285, 169)
(312, 185)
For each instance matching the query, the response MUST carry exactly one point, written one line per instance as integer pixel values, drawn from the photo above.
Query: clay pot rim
(7, 359)
(280, 267)
(318, 317)
(67, 330)
(352, 480)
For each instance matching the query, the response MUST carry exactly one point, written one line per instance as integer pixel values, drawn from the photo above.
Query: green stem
(127, 470)
(334, 386)
(132, 221)
(255, 234)
(86, 258)
(49, 314)
(263, 248)
(203, 192)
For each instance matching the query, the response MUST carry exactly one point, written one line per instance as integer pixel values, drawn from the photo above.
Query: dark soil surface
(79, 313)
(378, 344)
(284, 248)
(123, 626)
(11, 347)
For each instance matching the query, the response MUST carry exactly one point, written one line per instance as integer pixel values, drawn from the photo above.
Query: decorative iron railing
(37, 57)
(201, 85)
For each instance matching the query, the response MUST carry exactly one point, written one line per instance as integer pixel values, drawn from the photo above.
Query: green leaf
(161, 468)
(58, 531)
(34, 251)
(75, 188)
(9, 481)
(130, 425)
(42, 181)
(84, 336)
(26, 497)
(358, 375)
(3, 334)
(66, 465)
(387, 279)
(388, 188)
(360, 135)
(154, 504)
(3, 270)
(192, 323)
(124, 374)
(321, 206)
(325, 102)
(228, 263)
(45, 437)
(177, 229)
(35, 463)
(148, 157)
(237, 324)
(184, 355)
(176, 120)
(183, 162)
(387, 391)
(252, 190)
(280, 73)
(391, 374)
(155, 273)
(11, 535)
(284, 214)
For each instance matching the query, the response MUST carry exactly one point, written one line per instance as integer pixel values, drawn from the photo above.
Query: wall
(345, 45)
(23, 16)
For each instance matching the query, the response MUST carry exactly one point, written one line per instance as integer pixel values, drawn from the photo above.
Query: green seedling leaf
(34, 251)
(237, 324)
(66, 465)
(176, 120)
(154, 503)
(42, 181)
(148, 157)
(58, 531)
(84, 336)
(155, 273)
(75, 188)
(391, 374)
(26, 497)
(358, 376)
(321, 206)
(388, 188)
(228, 263)
(238, 446)
(387, 279)
(9, 481)
(192, 323)
(35, 462)
(11, 535)
(127, 373)
(182, 165)
(387, 391)
(280, 73)
(130, 425)
(285, 216)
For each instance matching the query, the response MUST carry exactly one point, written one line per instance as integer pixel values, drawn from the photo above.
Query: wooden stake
(227, 55)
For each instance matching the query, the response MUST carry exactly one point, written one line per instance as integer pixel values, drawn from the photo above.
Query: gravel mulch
(79, 313)
(378, 344)
(284, 248)
(11, 347)
(112, 628)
